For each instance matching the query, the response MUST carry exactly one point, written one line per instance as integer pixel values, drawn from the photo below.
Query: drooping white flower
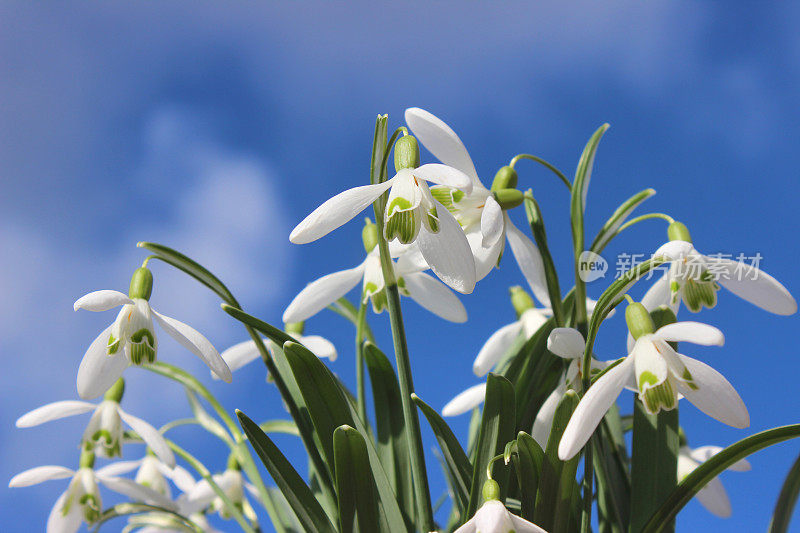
(493, 517)
(103, 434)
(659, 374)
(422, 288)
(131, 338)
(81, 502)
(154, 473)
(569, 344)
(202, 496)
(485, 223)
(694, 279)
(465, 401)
(713, 495)
(411, 215)
(245, 352)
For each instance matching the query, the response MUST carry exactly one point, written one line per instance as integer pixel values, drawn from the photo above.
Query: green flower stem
(544, 163)
(243, 452)
(551, 275)
(588, 478)
(647, 216)
(201, 469)
(360, 322)
(416, 455)
(344, 308)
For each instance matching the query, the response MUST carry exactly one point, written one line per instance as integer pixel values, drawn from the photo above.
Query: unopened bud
(506, 178)
(369, 235)
(638, 319)
(406, 153)
(520, 299)
(677, 231)
(508, 198)
(491, 490)
(141, 284)
(115, 392)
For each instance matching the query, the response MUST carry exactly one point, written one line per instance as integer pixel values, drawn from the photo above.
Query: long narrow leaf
(787, 500)
(612, 225)
(306, 508)
(528, 463)
(713, 467)
(358, 510)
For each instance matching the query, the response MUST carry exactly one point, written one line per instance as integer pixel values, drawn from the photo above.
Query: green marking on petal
(647, 378)
(661, 396)
(379, 301)
(700, 293)
(113, 345)
(143, 344)
(689, 379)
(401, 284)
(403, 225)
(370, 288)
(457, 195)
(398, 204)
(432, 220)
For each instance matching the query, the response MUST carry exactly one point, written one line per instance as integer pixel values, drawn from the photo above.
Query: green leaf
(284, 513)
(713, 467)
(497, 429)
(358, 510)
(557, 480)
(191, 267)
(786, 500)
(288, 427)
(612, 225)
(129, 509)
(206, 421)
(455, 459)
(392, 444)
(536, 223)
(580, 187)
(306, 508)
(654, 465)
(613, 479)
(274, 334)
(528, 463)
(329, 408)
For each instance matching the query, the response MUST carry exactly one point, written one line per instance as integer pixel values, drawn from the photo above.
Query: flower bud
(141, 284)
(491, 490)
(677, 231)
(115, 392)
(506, 178)
(369, 235)
(508, 198)
(406, 153)
(520, 299)
(638, 319)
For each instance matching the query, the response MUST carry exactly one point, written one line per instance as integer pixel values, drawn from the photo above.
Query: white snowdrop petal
(674, 250)
(694, 332)
(592, 408)
(529, 260)
(544, 418)
(492, 221)
(441, 141)
(320, 346)
(448, 252)
(136, 492)
(337, 211)
(54, 411)
(465, 401)
(435, 297)
(119, 468)
(715, 499)
(523, 526)
(151, 436)
(754, 286)
(98, 370)
(192, 340)
(658, 294)
(485, 257)
(58, 522)
(239, 355)
(101, 300)
(322, 292)
(566, 342)
(444, 175)
(715, 396)
(495, 348)
(39, 474)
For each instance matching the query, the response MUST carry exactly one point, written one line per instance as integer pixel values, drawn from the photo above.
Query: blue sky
(216, 129)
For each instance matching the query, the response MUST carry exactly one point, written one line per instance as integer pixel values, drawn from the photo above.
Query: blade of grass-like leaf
(206, 421)
(528, 462)
(787, 500)
(392, 444)
(557, 479)
(713, 467)
(276, 335)
(306, 508)
(455, 459)
(191, 267)
(287, 427)
(497, 429)
(612, 225)
(358, 510)
(613, 477)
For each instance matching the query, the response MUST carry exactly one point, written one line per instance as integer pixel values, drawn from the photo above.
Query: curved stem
(541, 161)
(648, 216)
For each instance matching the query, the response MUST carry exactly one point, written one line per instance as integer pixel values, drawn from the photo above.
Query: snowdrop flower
(713, 495)
(493, 517)
(569, 344)
(103, 434)
(465, 401)
(422, 288)
(695, 279)
(660, 374)
(153, 473)
(131, 338)
(202, 496)
(411, 215)
(481, 216)
(240, 354)
(81, 501)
